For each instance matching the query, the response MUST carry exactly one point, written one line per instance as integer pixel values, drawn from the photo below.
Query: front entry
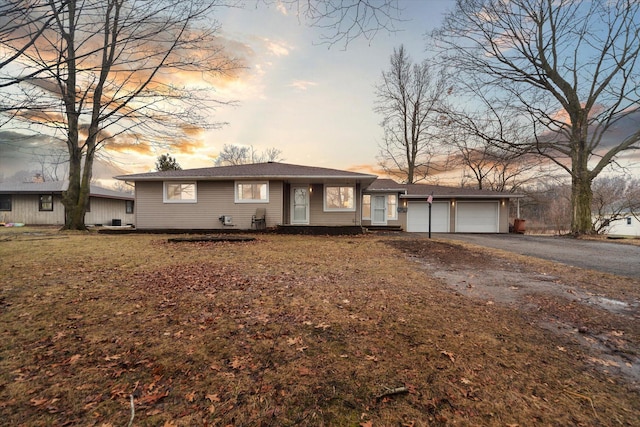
(299, 205)
(379, 208)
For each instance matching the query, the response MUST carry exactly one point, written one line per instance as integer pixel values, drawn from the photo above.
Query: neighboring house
(453, 210)
(40, 203)
(227, 197)
(624, 225)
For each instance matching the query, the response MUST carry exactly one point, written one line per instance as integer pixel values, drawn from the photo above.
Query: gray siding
(104, 210)
(214, 199)
(24, 209)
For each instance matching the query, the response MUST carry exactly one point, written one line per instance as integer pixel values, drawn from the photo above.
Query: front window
(629, 220)
(180, 192)
(392, 206)
(128, 206)
(339, 199)
(366, 206)
(252, 192)
(45, 202)
(5, 202)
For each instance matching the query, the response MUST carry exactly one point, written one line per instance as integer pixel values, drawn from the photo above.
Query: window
(366, 206)
(88, 205)
(5, 202)
(252, 192)
(629, 220)
(180, 192)
(45, 202)
(128, 206)
(392, 206)
(339, 199)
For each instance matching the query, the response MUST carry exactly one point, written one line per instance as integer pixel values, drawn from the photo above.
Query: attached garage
(454, 209)
(418, 217)
(477, 217)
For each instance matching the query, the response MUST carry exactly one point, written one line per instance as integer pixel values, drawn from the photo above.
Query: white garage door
(418, 217)
(477, 217)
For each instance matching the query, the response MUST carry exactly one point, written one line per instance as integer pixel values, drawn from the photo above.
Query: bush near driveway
(285, 330)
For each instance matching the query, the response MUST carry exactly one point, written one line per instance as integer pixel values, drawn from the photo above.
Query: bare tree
(21, 24)
(408, 98)
(614, 198)
(105, 76)
(343, 21)
(566, 68)
(242, 155)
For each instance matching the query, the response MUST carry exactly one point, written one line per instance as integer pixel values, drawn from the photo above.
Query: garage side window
(339, 198)
(392, 206)
(366, 206)
(5, 202)
(180, 192)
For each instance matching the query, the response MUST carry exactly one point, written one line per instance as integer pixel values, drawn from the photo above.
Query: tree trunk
(581, 198)
(74, 217)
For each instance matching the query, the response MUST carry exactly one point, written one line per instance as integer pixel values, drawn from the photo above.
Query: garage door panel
(418, 217)
(477, 217)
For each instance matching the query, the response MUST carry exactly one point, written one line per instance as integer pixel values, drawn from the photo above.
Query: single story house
(453, 209)
(626, 224)
(40, 203)
(229, 197)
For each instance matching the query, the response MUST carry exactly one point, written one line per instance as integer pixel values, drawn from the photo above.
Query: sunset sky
(312, 102)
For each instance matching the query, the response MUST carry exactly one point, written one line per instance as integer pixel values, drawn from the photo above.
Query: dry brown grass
(286, 330)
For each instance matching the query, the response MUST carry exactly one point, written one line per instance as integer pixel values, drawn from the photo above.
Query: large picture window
(45, 202)
(339, 198)
(5, 202)
(252, 192)
(180, 192)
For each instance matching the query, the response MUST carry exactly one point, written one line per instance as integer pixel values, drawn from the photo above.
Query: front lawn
(284, 330)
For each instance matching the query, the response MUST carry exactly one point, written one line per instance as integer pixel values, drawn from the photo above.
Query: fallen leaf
(449, 355)
(38, 402)
(74, 359)
(367, 424)
(213, 397)
(190, 396)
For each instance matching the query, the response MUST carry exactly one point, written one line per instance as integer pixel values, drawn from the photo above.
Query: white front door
(379, 208)
(299, 205)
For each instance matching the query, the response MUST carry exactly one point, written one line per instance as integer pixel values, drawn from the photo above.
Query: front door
(379, 214)
(299, 205)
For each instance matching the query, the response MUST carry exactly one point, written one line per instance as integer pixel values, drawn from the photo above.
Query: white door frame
(379, 204)
(306, 204)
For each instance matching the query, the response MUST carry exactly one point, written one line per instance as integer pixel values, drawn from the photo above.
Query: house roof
(58, 187)
(269, 170)
(437, 191)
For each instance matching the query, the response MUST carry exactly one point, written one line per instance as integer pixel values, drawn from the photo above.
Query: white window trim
(324, 198)
(239, 200)
(165, 199)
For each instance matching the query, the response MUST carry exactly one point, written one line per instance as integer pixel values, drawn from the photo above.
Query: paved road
(609, 257)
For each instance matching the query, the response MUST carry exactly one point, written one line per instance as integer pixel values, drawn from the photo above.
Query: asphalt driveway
(607, 256)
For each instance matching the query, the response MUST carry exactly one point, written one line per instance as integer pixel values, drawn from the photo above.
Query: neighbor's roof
(269, 170)
(438, 191)
(58, 187)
